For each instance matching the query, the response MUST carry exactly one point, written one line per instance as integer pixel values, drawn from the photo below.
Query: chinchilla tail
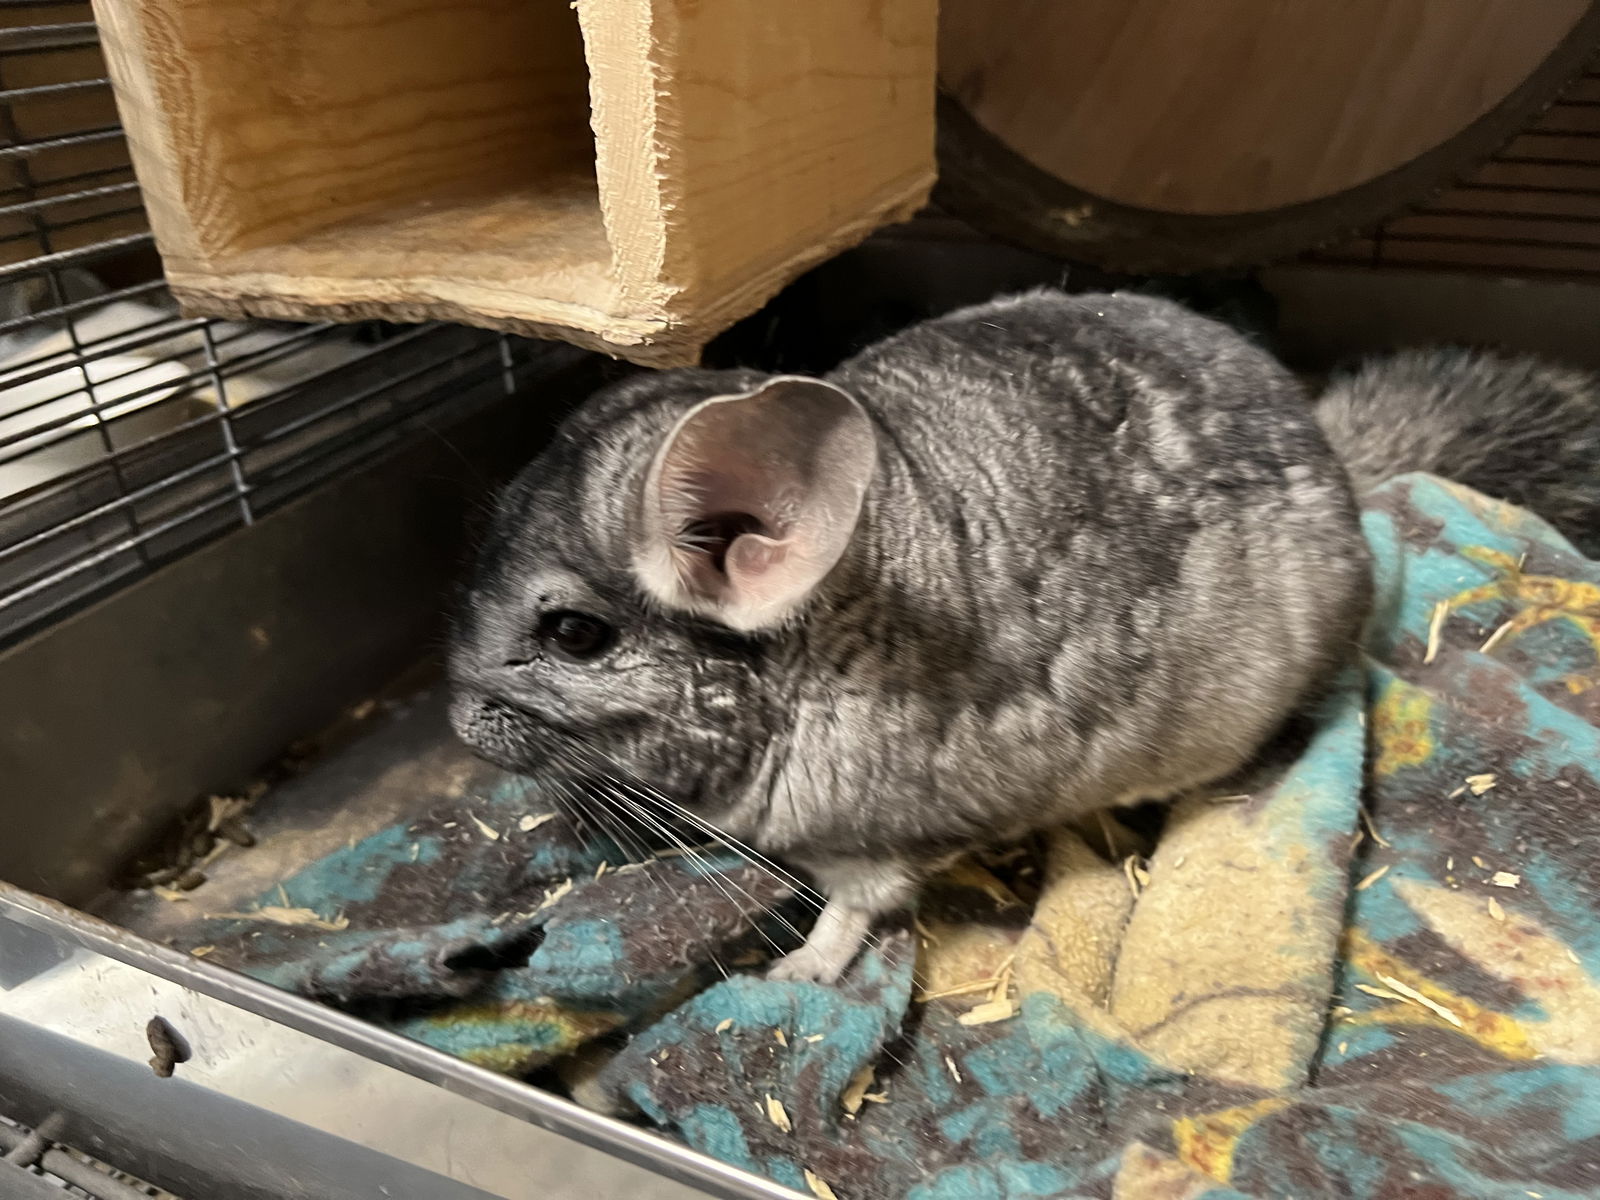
(1515, 428)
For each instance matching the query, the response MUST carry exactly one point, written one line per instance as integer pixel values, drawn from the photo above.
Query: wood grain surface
(632, 175)
(1236, 106)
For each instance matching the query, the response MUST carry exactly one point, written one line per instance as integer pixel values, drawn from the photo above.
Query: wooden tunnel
(629, 175)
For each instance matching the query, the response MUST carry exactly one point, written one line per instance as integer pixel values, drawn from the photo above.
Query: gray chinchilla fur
(1015, 564)
(1517, 429)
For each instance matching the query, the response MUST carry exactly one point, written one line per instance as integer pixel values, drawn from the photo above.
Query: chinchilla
(1015, 564)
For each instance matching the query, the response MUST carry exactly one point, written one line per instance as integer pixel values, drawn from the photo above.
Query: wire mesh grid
(1532, 209)
(129, 433)
(31, 1164)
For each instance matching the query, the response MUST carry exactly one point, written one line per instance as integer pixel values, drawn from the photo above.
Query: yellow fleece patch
(1400, 729)
(1208, 1142)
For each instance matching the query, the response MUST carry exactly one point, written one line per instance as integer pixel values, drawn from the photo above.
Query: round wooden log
(1150, 135)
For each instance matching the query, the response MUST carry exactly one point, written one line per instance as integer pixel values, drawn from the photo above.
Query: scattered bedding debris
(1436, 621)
(277, 914)
(778, 1115)
(1410, 993)
(855, 1093)
(989, 1012)
(1368, 880)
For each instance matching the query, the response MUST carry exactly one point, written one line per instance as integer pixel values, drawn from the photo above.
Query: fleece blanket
(1371, 969)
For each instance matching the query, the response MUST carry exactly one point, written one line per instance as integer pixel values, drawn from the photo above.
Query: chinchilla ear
(751, 499)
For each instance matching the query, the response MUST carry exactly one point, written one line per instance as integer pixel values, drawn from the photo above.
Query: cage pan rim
(596, 1131)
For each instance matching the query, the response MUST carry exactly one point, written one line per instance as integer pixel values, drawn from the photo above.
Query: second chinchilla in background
(1028, 560)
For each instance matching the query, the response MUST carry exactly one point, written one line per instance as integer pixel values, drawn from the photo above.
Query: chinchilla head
(634, 611)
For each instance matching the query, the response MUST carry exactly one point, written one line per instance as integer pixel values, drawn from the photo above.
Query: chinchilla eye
(575, 635)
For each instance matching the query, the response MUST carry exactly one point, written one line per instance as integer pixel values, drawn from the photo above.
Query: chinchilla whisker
(580, 815)
(869, 939)
(616, 830)
(679, 897)
(639, 793)
(698, 541)
(598, 768)
(644, 793)
(583, 805)
(718, 879)
(694, 855)
(664, 828)
(670, 811)
(801, 889)
(588, 814)
(648, 793)
(630, 843)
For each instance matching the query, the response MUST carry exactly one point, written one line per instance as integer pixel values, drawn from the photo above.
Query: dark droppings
(169, 1048)
(177, 856)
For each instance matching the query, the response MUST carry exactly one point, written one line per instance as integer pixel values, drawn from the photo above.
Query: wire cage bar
(1531, 210)
(130, 434)
(32, 1164)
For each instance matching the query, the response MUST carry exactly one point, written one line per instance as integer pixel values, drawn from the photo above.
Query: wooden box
(629, 175)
